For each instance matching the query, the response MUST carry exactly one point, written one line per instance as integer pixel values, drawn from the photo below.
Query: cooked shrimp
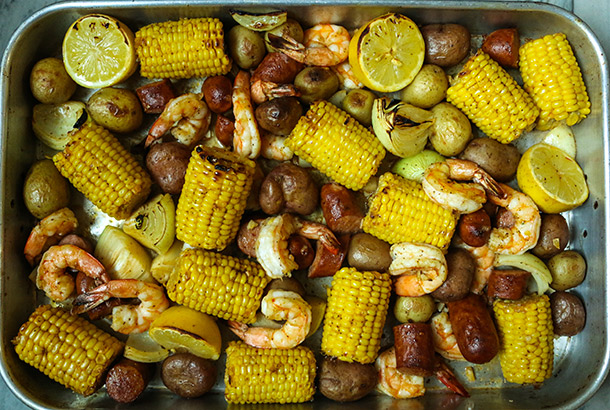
(126, 318)
(484, 260)
(394, 383)
(323, 45)
(445, 375)
(443, 338)
(262, 91)
(187, 117)
(347, 78)
(272, 242)
(421, 268)
(49, 231)
(274, 147)
(246, 137)
(278, 305)
(440, 184)
(52, 276)
(523, 236)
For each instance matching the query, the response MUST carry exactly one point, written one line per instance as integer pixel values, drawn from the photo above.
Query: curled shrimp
(440, 184)
(272, 242)
(48, 232)
(126, 318)
(346, 75)
(421, 268)
(246, 137)
(394, 383)
(523, 235)
(443, 338)
(187, 117)
(262, 90)
(52, 276)
(278, 305)
(323, 45)
(484, 259)
(274, 147)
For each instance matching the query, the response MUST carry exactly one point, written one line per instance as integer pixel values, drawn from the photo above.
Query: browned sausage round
(475, 228)
(217, 93)
(128, 379)
(414, 349)
(77, 240)
(507, 283)
(474, 329)
(301, 250)
(277, 68)
(325, 262)
(342, 213)
(224, 129)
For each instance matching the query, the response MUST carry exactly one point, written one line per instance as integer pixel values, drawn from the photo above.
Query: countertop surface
(596, 13)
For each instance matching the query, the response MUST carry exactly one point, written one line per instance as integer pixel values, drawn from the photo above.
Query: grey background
(596, 13)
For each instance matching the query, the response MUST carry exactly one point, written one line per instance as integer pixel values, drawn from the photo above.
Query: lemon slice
(98, 51)
(552, 179)
(387, 53)
(141, 348)
(186, 330)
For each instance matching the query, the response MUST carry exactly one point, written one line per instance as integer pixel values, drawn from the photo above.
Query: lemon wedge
(98, 51)
(387, 53)
(141, 348)
(552, 179)
(182, 329)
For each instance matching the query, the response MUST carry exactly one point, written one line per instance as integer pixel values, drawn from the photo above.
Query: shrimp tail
(285, 44)
(330, 242)
(445, 375)
(490, 185)
(89, 300)
(238, 328)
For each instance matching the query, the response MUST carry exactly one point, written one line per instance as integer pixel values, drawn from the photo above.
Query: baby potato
(167, 164)
(428, 88)
(188, 375)
(359, 104)
(499, 160)
(446, 44)
(554, 236)
(247, 47)
(567, 269)
(45, 190)
(414, 309)
(50, 83)
(116, 109)
(316, 83)
(451, 130)
(342, 381)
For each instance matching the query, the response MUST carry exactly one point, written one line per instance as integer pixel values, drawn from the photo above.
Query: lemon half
(387, 53)
(552, 179)
(99, 51)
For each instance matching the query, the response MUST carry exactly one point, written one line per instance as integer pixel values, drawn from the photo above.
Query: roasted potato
(116, 109)
(167, 164)
(499, 160)
(316, 83)
(343, 381)
(451, 130)
(279, 115)
(247, 47)
(50, 83)
(188, 375)
(359, 104)
(567, 269)
(414, 308)
(446, 44)
(217, 92)
(554, 236)
(460, 273)
(45, 190)
(366, 252)
(568, 313)
(288, 188)
(428, 88)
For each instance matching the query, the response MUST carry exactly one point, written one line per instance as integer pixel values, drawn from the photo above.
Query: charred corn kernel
(401, 211)
(336, 144)
(213, 198)
(355, 314)
(182, 49)
(98, 165)
(551, 75)
(492, 99)
(224, 286)
(255, 375)
(525, 327)
(67, 348)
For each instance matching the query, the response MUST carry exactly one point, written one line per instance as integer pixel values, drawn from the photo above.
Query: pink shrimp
(421, 268)
(262, 91)
(49, 231)
(246, 137)
(443, 338)
(347, 78)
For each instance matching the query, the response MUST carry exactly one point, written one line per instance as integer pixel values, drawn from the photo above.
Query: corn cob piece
(98, 165)
(182, 49)
(255, 375)
(224, 286)
(355, 314)
(213, 198)
(401, 211)
(492, 99)
(551, 75)
(336, 144)
(525, 328)
(67, 348)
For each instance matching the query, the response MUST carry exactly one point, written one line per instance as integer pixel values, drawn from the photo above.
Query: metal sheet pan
(581, 362)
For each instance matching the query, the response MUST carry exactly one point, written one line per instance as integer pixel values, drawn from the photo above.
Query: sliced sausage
(474, 329)
(84, 284)
(127, 379)
(414, 349)
(474, 228)
(342, 213)
(507, 283)
(155, 96)
(325, 262)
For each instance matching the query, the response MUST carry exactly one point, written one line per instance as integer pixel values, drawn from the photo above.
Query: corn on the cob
(525, 328)
(551, 75)
(96, 163)
(182, 49)
(355, 314)
(255, 375)
(66, 348)
(401, 211)
(213, 198)
(336, 144)
(492, 99)
(224, 286)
